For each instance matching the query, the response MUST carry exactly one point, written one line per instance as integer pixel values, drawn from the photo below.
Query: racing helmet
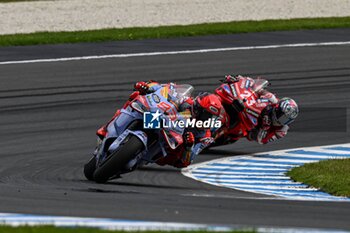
(285, 112)
(207, 106)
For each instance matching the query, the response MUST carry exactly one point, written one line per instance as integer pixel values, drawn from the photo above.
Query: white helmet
(285, 112)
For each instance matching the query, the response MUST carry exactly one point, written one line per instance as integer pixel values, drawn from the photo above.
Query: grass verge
(172, 31)
(51, 229)
(331, 176)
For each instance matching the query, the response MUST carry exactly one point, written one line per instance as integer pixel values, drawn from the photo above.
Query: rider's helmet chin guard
(285, 112)
(207, 106)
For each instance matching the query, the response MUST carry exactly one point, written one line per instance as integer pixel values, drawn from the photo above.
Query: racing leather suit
(266, 132)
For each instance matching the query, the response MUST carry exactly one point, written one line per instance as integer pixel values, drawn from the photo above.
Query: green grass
(331, 176)
(51, 229)
(172, 31)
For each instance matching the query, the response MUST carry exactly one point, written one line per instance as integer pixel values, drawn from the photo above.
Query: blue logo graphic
(151, 120)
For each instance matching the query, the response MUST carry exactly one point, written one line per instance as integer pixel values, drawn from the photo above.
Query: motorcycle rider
(274, 120)
(203, 107)
(140, 88)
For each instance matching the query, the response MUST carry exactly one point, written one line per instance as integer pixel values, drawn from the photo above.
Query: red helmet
(207, 106)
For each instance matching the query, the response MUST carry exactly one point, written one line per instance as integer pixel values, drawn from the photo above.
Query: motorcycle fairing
(133, 111)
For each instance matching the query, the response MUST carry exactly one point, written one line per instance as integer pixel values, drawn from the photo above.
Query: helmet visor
(281, 118)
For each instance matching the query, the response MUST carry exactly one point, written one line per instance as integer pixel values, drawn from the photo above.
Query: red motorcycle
(243, 105)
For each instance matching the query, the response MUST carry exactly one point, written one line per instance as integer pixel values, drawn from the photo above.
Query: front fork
(105, 147)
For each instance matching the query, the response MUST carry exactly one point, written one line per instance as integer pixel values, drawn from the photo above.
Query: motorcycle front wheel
(116, 161)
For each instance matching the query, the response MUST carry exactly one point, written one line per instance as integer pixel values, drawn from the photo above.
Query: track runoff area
(262, 173)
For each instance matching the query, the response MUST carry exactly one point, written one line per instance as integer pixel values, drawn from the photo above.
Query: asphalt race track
(49, 112)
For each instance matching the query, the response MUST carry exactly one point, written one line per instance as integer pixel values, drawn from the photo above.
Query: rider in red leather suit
(270, 116)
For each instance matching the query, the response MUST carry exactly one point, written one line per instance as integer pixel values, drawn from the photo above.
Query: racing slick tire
(89, 169)
(116, 161)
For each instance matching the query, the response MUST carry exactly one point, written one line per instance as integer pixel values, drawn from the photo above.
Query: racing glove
(229, 79)
(266, 122)
(189, 140)
(185, 159)
(261, 136)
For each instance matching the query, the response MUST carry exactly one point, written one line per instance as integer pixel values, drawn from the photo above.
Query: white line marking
(103, 223)
(330, 151)
(334, 156)
(247, 162)
(243, 168)
(220, 176)
(175, 52)
(277, 160)
(238, 173)
(247, 182)
(268, 187)
(131, 225)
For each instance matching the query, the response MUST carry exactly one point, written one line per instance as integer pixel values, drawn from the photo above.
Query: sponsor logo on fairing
(253, 119)
(233, 90)
(156, 120)
(156, 98)
(247, 84)
(227, 89)
(252, 112)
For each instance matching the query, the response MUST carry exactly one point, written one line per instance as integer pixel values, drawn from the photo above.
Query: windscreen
(179, 92)
(183, 90)
(260, 84)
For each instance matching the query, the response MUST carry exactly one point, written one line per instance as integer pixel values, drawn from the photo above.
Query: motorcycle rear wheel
(89, 168)
(116, 161)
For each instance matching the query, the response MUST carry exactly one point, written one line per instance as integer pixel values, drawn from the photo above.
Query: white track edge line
(175, 52)
(16, 220)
